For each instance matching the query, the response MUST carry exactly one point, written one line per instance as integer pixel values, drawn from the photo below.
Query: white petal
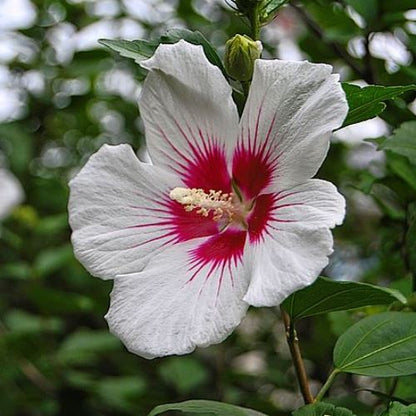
(164, 310)
(314, 204)
(188, 112)
(112, 202)
(11, 193)
(285, 262)
(291, 110)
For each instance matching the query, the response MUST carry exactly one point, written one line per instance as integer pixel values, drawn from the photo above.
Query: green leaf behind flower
(205, 407)
(140, 49)
(326, 295)
(382, 345)
(269, 9)
(399, 409)
(368, 102)
(322, 409)
(402, 141)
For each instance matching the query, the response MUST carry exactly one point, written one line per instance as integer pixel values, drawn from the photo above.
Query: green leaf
(403, 141)
(184, 373)
(326, 295)
(411, 238)
(205, 407)
(322, 409)
(51, 260)
(85, 346)
(401, 167)
(398, 409)
(196, 38)
(368, 102)
(139, 50)
(382, 345)
(120, 392)
(368, 9)
(269, 10)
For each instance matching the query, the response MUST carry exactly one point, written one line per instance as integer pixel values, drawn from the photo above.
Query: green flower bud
(240, 54)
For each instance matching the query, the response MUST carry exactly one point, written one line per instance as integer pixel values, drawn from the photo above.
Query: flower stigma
(223, 206)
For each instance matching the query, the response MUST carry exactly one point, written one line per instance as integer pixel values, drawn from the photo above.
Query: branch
(293, 343)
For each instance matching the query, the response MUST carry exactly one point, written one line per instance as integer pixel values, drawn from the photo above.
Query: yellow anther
(217, 202)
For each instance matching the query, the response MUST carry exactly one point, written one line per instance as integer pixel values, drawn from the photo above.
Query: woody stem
(293, 343)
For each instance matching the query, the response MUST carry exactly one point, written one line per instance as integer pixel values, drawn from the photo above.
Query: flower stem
(293, 343)
(327, 385)
(255, 22)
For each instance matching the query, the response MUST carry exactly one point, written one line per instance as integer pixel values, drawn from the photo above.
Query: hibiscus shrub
(256, 217)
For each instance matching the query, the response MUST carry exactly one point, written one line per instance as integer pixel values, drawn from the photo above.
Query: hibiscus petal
(173, 305)
(286, 125)
(190, 118)
(121, 214)
(313, 204)
(285, 262)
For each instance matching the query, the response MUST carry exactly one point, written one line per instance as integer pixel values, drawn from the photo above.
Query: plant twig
(336, 47)
(293, 343)
(327, 385)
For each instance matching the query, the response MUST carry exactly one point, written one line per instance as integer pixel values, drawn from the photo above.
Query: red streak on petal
(219, 252)
(254, 161)
(260, 216)
(188, 225)
(204, 164)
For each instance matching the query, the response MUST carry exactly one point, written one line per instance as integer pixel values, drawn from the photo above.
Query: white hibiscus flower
(226, 216)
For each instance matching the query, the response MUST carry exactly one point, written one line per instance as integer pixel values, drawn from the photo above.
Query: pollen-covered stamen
(217, 202)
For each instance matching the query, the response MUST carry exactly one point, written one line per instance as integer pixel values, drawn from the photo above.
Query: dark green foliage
(57, 357)
(326, 296)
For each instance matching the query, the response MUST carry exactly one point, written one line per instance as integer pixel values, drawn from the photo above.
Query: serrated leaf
(326, 295)
(368, 102)
(382, 345)
(205, 407)
(322, 409)
(399, 409)
(402, 141)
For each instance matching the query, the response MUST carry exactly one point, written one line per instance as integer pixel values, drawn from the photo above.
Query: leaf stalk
(327, 385)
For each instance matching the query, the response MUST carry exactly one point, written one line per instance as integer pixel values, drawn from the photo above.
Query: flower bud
(240, 54)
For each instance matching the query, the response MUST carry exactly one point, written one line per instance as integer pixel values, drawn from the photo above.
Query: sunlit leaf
(382, 345)
(326, 295)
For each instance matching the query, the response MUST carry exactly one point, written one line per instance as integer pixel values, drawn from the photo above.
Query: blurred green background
(62, 96)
